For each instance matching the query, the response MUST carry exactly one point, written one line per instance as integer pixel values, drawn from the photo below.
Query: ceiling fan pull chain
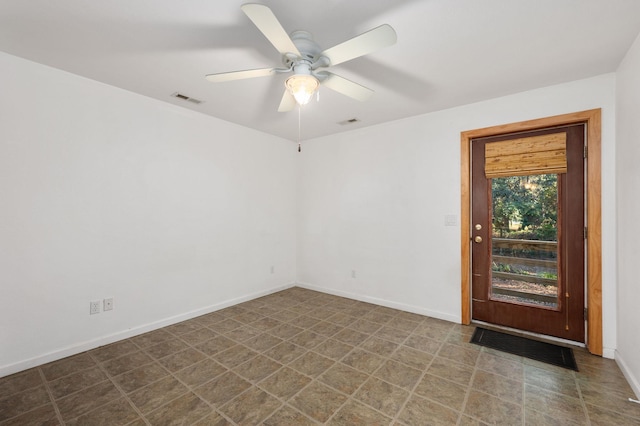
(299, 115)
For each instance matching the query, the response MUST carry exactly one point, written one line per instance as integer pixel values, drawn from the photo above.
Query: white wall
(374, 200)
(105, 193)
(628, 210)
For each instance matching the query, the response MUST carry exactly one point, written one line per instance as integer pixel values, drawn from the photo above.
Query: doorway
(527, 215)
(592, 295)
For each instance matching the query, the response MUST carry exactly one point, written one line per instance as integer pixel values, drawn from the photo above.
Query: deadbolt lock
(478, 226)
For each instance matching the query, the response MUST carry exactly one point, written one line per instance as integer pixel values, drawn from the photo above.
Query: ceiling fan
(308, 62)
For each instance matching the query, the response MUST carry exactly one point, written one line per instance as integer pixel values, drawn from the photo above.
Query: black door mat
(540, 351)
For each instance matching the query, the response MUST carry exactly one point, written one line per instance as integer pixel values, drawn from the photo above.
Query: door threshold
(529, 334)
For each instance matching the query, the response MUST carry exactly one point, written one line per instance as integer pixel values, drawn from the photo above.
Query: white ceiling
(449, 52)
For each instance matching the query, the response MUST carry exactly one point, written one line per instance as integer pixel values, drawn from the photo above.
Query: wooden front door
(528, 233)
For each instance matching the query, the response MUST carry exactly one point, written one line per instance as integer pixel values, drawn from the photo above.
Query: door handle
(477, 239)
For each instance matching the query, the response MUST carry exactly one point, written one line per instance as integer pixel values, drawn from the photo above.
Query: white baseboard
(384, 302)
(608, 353)
(633, 381)
(125, 334)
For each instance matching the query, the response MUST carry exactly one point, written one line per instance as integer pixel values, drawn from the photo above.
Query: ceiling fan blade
(268, 24)
(365, 43)
(287, 103)
(238, 75)
(347, 87)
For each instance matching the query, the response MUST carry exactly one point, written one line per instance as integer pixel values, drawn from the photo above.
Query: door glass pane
(524, 250)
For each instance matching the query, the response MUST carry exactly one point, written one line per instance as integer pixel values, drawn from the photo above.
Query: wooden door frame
(594, 216)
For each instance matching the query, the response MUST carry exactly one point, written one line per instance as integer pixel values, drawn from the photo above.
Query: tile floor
(300, 357)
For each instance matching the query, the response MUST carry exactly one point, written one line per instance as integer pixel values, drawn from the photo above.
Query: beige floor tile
(235, 356)
(215, 345)
(66, 366)
(23, 402)
(326, 328)
(257, 368)
(420, 411)
(354, 414)
(214, 419)
(312, 364)
(301, 357)
(493, 410)
(435, 333)
(341, 319)
(343, 378)
(88, 400)
(423, 344)
(403, 324)
(443, 391)
(114, 350)
(157, 394)
(610, 399)
(198, 336)
(318, 401)
(378, 317)
(412, 357)
(493, 384)
(42, 416)
(603, 416)
(262, 342)
(307, 339)
(143, 376)
(183, 359)
(288, 416)
(222, 389)
(75, 382)
(333, 349)
(225, 326)
(285, 383)
(152, 338)
(379, 346)
(200, 373)
(19, 382)
(285, 331)
(363, 360)
(536, 418)
(508, 368)
(398, 374)
(166, 348)
(285, 352)
(183, 327)
(556, 405)
(118, 412)
(459, 373)
(365, 326)
(459, 354)
(251, 407)
(350, 337)
(562, 381)
(126, 363)
(392, 334)
(382, 396)
(185, 409)
(265, 324)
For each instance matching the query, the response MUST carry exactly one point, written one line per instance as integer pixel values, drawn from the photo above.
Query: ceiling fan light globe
(302, 87)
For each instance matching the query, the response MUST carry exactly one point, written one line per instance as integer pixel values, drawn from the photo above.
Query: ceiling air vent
(349, 121)
(186, 98)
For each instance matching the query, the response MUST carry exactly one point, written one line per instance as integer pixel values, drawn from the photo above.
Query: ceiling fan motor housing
(310, 54)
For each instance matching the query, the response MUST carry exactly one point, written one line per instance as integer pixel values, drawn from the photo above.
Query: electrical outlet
(273, 269)
(107, 304)
(94, 307)
(353, 273)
